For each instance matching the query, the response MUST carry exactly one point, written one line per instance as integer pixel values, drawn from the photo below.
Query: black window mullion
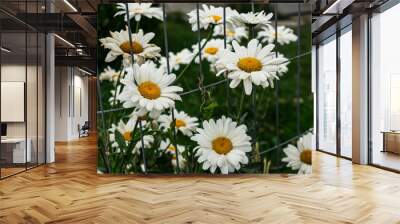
(317, 96)
(369, 89)
(0, 90)
(338, 100)
(37, 89)
(26, 86)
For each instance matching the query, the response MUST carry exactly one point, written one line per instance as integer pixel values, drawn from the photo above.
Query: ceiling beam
(81, 61)
(90, 31)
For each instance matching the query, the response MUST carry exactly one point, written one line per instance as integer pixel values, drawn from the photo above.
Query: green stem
(251, 31)
(240, 106)
(130, 146)
(192, 161)
(137, 26)
(197, 54)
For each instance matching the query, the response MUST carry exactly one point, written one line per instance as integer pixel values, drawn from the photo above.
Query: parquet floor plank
(70, 191)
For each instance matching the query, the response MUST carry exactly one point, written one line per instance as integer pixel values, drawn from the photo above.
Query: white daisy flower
(169, 148)
(142, 113)
(182, 161)
(136, 115)
(211, 50)
(110, 74)
(183, 57)
(222, 144)
(147, 141)
(208, 15)
(282, 67)
(252, 65)
(285, 35)
(148, 89)
(119, 44)
(137, 10)
(251, 18)
(183, 122)
(300, 158)
(126, 131)
(232, 32)
(114, 100)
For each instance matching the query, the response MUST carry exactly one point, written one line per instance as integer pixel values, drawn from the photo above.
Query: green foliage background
(220, 100)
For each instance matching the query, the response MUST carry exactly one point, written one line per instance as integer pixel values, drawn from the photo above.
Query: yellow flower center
(149, 90)
(230, 33)
(179, 123)
(249, 64)
(222, 145)
(216, 18)
(127, 136)
(171, 148)
(306, 156)
(137, 48)
(211, 50)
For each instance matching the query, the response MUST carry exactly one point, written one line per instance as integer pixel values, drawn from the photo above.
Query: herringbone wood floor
(70, 191)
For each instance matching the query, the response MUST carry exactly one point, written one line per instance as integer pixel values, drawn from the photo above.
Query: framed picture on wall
(191, 89)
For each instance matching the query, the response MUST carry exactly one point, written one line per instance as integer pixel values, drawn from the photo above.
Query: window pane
(327, 96)
(385, 89)
(346, 93)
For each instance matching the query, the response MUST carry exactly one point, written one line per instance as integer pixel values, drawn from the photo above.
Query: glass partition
(22, 101)
(14, 153)
(31, 97)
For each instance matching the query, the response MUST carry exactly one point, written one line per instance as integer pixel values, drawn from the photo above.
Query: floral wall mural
(204, 89)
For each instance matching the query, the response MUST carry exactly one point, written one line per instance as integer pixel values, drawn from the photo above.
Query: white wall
(34, 125)
(16, 73)
(71, 94)
(61, 103)
(9, 73)
(80, 109)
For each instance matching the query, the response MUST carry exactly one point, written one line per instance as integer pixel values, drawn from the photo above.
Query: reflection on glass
(327, 96)
(22, 92)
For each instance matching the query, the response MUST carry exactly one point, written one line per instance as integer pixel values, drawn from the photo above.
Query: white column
(50, 94)
(360, 90)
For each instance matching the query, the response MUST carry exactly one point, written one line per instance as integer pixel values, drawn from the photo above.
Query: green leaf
(252, 168)
(120, 140)
(209, 109)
